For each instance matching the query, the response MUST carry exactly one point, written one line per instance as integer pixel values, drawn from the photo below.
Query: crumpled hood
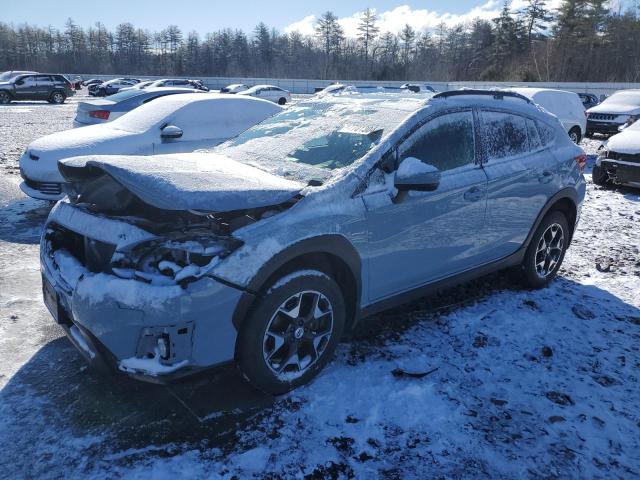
(195, 181)
(617, 108)
(79, 141)
(628, 141)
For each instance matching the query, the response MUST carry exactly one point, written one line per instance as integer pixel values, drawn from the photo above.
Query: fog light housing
(164, 348)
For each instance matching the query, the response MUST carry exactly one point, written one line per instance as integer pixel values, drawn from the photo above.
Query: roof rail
(497, 94)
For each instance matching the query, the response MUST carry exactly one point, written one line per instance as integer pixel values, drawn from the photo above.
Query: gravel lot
(528, 384)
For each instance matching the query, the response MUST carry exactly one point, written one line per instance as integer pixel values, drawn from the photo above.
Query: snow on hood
(618, 108)
(628, 141)
(196, 181)
(68, 142)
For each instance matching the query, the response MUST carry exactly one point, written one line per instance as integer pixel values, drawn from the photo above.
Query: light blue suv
(265, 250)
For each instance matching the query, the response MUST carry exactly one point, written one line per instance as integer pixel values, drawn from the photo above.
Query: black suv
(53, 88)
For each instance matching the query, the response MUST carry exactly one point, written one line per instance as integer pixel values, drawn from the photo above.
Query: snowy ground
(521, 384)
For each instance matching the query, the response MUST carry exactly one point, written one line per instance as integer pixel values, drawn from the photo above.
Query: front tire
(292, 332)
(58, 98)
(599, 176)
(5, 98)
(546, 251)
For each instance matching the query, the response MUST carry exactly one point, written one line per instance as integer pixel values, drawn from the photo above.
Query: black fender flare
(567, 193)
(333, 244)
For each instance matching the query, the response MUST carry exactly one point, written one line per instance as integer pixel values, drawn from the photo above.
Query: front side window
(446, 142)
(505, 134)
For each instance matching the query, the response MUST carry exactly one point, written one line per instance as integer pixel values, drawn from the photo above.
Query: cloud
(420, 19)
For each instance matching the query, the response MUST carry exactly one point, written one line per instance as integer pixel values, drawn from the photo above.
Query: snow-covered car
(103, 110)
(171, 124)
(179, 82)
(615, 111)
(111, 87)
(619, 160)
(567, 106)
(268, 92)
(234, 88)
(266, 249)
(139, 86)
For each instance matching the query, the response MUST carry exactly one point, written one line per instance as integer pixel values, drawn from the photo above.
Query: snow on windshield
(312, 138)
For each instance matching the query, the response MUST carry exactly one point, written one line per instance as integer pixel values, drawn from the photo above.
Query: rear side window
(446, 142)
(534, 137)
(505, 134)
(547, 134)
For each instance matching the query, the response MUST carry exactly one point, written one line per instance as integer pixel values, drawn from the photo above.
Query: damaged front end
(132, 283)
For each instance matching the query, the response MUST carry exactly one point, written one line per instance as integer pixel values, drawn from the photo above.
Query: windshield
(632, 98)
(311, 139)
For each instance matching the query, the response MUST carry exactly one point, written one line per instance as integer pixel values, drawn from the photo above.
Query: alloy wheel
(58, 98)
(297, 334)
(549, 250)
(4, 98)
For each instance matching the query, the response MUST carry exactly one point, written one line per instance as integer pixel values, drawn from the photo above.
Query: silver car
(264, 251)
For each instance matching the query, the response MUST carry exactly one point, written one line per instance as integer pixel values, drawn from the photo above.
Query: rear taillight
(101, 114)
(581, 160)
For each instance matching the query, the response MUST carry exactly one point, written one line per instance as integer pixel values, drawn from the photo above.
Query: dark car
(589, 100)
(53, 88)
(92, 81)
(112, 86)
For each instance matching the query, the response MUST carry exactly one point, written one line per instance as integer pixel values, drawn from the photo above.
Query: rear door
(421, 237)
(522, 175)
(45, 86)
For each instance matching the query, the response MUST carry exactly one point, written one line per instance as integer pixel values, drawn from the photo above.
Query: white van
(567, 106)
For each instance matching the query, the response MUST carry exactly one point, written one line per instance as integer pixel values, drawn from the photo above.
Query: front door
(26, 88)
(420, 237)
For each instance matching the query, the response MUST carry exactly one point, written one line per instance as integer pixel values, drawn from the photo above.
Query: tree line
(583, 40)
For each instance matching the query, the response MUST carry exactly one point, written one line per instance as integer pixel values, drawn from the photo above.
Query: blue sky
(206, 16)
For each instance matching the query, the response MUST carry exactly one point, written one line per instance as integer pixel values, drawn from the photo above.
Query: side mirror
(414, 174)
(19, 82)
(171, 131)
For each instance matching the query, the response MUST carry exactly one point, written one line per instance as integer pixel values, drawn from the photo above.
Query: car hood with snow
(199, 181)
(621, 103)
(628, 141)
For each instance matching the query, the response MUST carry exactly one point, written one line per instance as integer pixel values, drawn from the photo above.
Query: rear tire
(599, 176)
(546, 251)
(292, 332)
(58, 98)
(5, 98)
(575, 135)
(282, 101)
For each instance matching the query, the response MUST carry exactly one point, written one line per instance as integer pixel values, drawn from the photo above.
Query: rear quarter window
(547, 133)
(505, 134)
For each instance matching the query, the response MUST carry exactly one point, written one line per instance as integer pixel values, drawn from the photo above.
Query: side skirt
(433, 287)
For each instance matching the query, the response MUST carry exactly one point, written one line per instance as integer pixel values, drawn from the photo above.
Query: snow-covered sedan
(619, 159)
(621, 108)
(234, 88)
(171, 124)
(103, 110)
(268, 92)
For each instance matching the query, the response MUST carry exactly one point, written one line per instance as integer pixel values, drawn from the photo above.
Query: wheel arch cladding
(330, 254)
(564, 201)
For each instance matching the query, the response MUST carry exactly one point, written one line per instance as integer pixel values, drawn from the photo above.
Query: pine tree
(367, 32)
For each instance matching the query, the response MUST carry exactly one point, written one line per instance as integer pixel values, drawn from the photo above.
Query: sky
(207, 16)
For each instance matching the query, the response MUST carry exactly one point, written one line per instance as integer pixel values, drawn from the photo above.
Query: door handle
(473, 194)
(546, 177)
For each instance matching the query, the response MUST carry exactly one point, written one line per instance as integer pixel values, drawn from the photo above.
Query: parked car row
(99, 88)
(265, 250)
